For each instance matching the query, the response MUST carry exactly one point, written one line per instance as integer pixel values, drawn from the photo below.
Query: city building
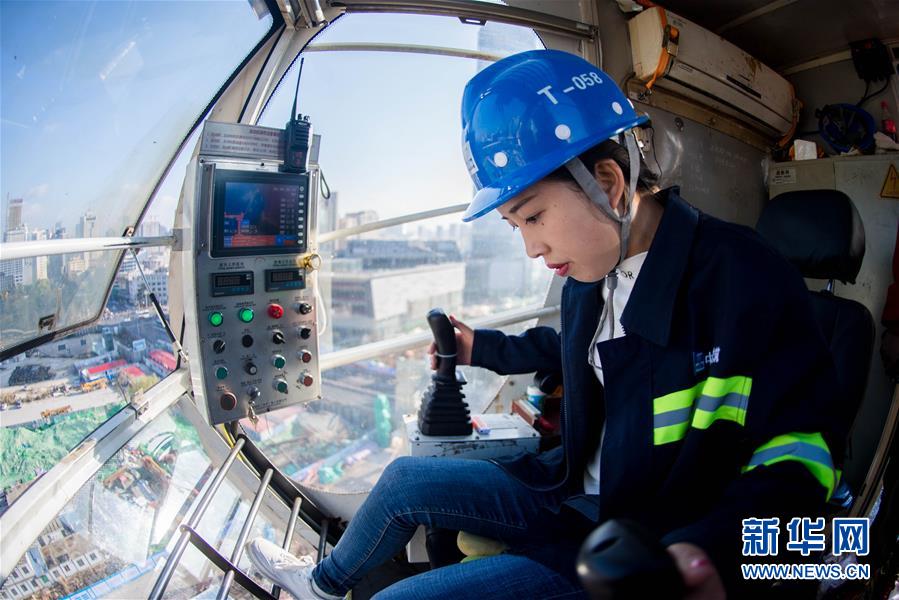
(151, 227)
(86, 228)
(39, 264)
(14, 214)
(161, 362)
(75, 264)
(139, 290)
(355, 219)
(76, 346)
(400, 254)
(107, 370)
(56, 262)
(376, 305)
(16, 269)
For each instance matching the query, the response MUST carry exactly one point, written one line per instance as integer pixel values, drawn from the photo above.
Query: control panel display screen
(284, 279)
(232, 284)
(259, 213)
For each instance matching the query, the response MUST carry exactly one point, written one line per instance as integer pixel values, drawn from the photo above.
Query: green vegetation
(26, 452)
(383, 422)
(139, 384)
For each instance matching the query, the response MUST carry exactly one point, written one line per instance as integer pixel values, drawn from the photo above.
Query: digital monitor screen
(259, 213)
(228, 280)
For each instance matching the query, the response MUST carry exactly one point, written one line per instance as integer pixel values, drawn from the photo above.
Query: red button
(275, 311)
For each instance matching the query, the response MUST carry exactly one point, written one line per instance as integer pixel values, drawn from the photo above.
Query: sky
(96, 96)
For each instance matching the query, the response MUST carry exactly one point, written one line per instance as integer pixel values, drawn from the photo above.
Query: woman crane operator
(697, 385)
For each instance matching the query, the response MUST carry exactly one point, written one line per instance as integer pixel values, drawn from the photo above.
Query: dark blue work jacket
(718, 400)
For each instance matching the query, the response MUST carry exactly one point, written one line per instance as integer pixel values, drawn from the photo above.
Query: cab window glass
(152, 485)
(390, 131)
(56, 394)
(390, 146)
(96, 98)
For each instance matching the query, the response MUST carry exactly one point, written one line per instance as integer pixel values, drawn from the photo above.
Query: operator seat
(821, 233)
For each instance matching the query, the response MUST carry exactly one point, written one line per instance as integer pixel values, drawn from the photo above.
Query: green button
(282, 387)
(279, 361)
(215, 319)
(245, 315)
(221, 372)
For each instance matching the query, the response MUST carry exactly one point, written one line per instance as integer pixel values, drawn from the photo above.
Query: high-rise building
(39, 263)
(151, 227)
(86, 226)
(56, 262)
(18, 269)
(14, 214)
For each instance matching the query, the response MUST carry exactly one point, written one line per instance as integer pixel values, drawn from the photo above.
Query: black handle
(445, 337)
(621, 559)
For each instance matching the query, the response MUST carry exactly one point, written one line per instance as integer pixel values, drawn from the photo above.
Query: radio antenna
(293, 111)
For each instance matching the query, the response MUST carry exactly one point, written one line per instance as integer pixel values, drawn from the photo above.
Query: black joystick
(443, 408)
(621, 559)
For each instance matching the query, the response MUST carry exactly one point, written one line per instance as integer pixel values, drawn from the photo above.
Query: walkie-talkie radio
(248, 214)
(297, 136)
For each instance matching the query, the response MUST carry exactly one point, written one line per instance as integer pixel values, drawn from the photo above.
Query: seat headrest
(819, 231)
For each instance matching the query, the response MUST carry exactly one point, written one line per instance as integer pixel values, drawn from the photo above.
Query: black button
(305, 332)
(250, 368)
(247, 341)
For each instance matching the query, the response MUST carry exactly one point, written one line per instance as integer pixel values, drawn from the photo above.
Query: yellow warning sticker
(890, 187)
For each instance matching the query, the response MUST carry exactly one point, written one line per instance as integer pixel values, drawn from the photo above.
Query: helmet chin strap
(598, 196)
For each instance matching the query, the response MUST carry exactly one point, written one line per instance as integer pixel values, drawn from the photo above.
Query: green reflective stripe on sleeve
(674, 400)
(703, 419)
(717, 387)
(701, 405)
(815, 439)
(809, 449)
(675, 417)
(669, 433)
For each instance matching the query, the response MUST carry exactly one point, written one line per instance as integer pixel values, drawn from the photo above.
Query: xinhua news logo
(806, 535)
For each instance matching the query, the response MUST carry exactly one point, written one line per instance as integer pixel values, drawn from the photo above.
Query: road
(31, 411)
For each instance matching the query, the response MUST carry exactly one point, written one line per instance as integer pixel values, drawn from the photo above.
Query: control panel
(251, 336)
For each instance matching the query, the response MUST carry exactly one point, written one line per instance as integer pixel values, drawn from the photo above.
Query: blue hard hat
(528, 114)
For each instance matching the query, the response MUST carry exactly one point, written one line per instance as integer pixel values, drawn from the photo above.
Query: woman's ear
(611, 180)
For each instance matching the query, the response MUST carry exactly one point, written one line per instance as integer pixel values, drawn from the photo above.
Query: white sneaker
(291, 573)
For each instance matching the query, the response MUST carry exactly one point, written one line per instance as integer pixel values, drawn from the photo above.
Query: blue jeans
(471, 495)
